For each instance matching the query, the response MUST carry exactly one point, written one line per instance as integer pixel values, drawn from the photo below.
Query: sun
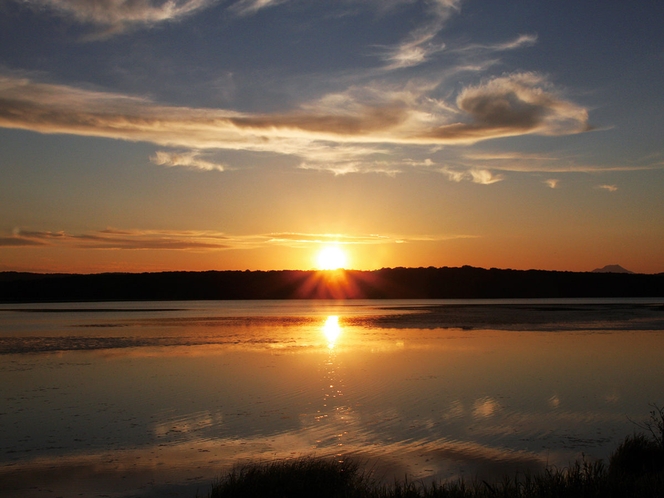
(331, 258)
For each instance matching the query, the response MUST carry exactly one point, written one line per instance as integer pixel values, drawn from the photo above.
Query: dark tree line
(388, 283)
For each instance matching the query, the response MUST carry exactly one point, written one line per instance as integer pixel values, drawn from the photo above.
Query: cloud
(188, 159)
(325, 238)
(197, 240)
(484, 176)
(608, 188)
(420, 44)
(542, 163)
(17, 241)
(118, 15)
(414, 51)
(344, 168)
(515, 104)
(346, 130)
(127, 239)
(454, 175)
(248, 7)
(481, 176)
(524, 40)
(552, 182)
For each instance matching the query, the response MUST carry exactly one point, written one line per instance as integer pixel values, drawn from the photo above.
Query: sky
(152, 135)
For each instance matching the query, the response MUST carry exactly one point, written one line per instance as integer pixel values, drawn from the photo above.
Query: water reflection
(334, 414)
(331, 330)
(132, 402)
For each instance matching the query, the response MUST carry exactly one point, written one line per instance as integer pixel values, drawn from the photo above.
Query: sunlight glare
(331, 258)
(331, 330)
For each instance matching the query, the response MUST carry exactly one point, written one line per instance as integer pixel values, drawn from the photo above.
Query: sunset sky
(149, 135)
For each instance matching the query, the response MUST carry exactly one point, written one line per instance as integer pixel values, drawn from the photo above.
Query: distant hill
(387, 283)
(612, 269)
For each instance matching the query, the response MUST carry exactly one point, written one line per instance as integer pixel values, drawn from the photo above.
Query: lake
(159, 398)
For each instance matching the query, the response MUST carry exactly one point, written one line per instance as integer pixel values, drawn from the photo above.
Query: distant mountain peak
(611, 269)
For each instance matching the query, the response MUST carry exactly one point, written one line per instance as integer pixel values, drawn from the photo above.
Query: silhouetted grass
(636, 470)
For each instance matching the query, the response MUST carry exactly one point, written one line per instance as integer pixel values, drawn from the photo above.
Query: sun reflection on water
(332, 330)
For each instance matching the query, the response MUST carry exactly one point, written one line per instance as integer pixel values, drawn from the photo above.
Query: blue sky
(202, 134)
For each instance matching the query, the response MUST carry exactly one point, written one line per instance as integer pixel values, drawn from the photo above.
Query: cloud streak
(541, 163)
(420, 45)
(188, 159)
(116, 16)
(196, 240)
(481, 176)
(345, 127)
(123, 239)
(248, 7)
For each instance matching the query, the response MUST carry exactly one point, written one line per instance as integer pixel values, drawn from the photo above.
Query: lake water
(159, 398)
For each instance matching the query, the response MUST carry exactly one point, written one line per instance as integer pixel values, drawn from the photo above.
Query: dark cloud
(120, 239)
(513, 105)
(18, 242)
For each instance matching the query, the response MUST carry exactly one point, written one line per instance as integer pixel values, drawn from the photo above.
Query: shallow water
(154, 399)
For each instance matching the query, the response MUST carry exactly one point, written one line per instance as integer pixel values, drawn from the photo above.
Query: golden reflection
(332, 330)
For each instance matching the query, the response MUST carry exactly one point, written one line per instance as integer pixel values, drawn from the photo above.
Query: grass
(635, 470)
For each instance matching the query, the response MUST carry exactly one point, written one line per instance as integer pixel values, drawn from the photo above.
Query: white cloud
(454, 175)
(248, 7)
(344, 168)
(481, 176)
(412, 52)
(485, 177)
(420, 44)
(552, 182)
(608, 188)
(189, 159)
(118, 15)
(524, 40)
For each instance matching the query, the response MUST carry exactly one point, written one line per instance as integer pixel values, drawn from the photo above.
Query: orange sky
(410, 133)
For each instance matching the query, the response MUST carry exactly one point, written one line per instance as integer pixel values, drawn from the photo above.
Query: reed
(635, 470)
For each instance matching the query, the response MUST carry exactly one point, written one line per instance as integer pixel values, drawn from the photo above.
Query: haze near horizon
(284, 134)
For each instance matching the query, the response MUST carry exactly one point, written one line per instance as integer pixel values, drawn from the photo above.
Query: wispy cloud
(343, 168)
(248, 7)
(524, 40)
(552, 182)
(608, 188)
(115, 16)
(125, 239)
(417, 49)
(188, 159)
(542, 163)
(337, 124)
(481, 176)
(485, 177)
(18, 241)
(421, 44)
(197, 240)
(326, 238)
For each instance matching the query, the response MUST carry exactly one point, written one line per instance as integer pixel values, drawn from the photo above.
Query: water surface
(154, 399)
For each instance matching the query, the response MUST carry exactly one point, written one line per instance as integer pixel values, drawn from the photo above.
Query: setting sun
(331, 258)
